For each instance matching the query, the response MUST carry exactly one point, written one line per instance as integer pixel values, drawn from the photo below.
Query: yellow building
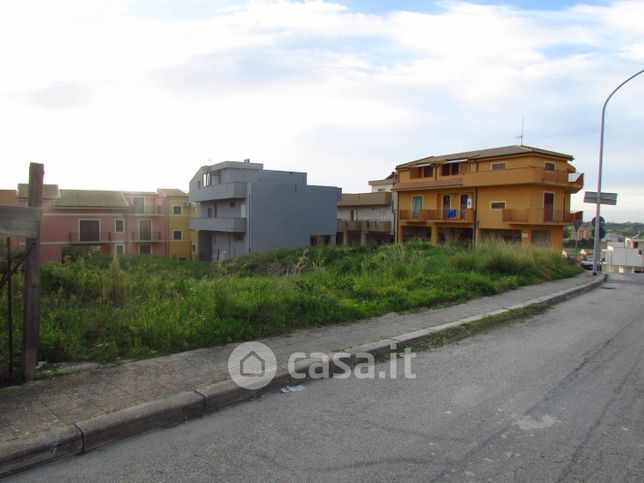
(514, 193)
(178, 215)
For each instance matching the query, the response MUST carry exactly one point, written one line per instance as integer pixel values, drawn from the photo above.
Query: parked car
(588, 262)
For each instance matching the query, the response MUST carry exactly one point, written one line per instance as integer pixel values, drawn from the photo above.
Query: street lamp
(597, 247)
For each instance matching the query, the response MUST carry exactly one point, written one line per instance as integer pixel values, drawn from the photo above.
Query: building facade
(514, 193)
(368, 217)
(178, 211)
(109, 222)
(243, 208)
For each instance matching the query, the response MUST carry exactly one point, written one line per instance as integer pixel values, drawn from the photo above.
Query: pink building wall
(60, 228)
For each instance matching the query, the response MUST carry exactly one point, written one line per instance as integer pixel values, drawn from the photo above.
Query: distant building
(514, 193)
(368, 217)
(110, 222)
(625, 256)
(178, 211)
(244, 208)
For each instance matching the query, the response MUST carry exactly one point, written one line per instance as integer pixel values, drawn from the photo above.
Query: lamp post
(597, 245)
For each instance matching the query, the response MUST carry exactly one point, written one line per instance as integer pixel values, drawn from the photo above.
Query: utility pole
(597, 244)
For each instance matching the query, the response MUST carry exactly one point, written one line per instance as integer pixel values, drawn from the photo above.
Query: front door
(447, 204)
(548, 206)
(463, 206)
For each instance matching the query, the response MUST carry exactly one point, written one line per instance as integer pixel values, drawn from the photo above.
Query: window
(498, 166)
(89, 230)
(497, 205)
(550, 166)
(138, 204)
(145, 249)
(119, 226)
(450, 169)
(416, 206)
(211, 211)
(238, 236)
(145, 230)
(177, 235)
(206, 179)
(176, 210)
(232, 204)
(421, 172)
(120, 250)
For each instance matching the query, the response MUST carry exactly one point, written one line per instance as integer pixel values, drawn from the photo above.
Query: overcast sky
(138, 94)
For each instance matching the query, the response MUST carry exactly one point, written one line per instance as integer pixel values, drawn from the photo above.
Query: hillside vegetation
(101, 309)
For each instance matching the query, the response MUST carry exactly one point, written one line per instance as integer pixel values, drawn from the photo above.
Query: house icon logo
(252, 365)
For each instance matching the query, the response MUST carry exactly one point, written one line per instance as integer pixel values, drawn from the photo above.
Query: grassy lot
(101, 309)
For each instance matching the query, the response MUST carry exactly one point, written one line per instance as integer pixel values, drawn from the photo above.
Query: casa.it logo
(252, 365)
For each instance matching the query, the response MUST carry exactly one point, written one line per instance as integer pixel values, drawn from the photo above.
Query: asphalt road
(557, 397)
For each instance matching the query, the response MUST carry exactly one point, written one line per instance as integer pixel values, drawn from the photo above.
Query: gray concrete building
(244, 208)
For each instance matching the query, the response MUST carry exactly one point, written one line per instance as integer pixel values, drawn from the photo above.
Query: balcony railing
(366, 225)
(222, 191)
(451, 215)
(112, 237)
(230, 225)
(527, 175)
(93, 237)
(145, 210)
(154, 236)
(416, 183)
(538, 216)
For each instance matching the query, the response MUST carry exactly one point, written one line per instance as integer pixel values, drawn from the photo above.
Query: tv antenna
(522, 123)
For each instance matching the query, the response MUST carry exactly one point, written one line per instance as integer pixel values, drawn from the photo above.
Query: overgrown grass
(101, 309)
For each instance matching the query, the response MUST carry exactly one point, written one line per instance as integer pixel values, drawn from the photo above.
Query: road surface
(558, 397)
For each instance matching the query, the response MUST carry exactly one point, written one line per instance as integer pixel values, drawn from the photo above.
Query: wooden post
(31, 320)
(10, 311)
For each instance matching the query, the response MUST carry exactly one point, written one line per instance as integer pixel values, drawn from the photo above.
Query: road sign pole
(597, 245)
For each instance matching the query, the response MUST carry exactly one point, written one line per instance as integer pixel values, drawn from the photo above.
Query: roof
(391, 179)
(49, 191)
(487, 153)
(139, 193)
(91, 199)
(172, 192)
(365, 199)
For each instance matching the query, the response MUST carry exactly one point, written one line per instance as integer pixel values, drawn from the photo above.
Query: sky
(139, 94)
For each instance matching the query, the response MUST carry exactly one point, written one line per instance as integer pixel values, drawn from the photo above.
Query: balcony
(372, 226)
(539, 216)
(443, 216)
(529, 175)
(382, 198)
(145, 210)
(222, 191)
(92, 237)
(428, 183)
(231, 225)
(146, 237)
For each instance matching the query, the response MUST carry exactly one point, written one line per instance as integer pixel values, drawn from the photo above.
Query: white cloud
(97, 89)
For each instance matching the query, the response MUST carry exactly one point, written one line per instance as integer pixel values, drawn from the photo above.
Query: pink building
(112, 222)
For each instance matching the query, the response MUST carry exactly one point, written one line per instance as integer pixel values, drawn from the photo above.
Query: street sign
(576, 224)
(601, 220)
(604, 198)
(20, 221)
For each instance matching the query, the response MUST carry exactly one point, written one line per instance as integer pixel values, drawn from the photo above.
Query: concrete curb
(89, 434)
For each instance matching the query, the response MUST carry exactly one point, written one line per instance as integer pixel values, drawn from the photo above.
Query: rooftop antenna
(522, 123)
